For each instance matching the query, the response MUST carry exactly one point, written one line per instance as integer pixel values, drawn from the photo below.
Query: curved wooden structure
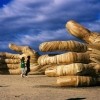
(76, 81)
(83, 33)
(63, 46)
(65, 58)
(72, 69)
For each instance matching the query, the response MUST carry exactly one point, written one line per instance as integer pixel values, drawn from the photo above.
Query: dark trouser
(27, 71)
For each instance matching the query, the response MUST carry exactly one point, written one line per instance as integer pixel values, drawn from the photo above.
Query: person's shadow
(75, 98)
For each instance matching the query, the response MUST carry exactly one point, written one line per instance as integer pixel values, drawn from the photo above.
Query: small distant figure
(27, 66)
(22, 65)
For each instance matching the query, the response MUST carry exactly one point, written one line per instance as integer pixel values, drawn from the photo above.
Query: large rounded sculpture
(77, 63)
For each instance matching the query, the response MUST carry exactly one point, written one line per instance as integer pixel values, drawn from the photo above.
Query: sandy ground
(38, 87)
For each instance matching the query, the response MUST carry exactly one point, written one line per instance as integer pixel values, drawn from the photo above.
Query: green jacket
(22, 64)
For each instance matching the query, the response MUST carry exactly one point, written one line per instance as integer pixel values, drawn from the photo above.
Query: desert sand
(39, 87)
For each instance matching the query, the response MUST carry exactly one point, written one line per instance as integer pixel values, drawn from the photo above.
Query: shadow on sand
(4, 85)
(60, 87)
(52, 86)
(75, 98)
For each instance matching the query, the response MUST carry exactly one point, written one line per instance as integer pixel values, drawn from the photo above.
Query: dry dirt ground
(38, 87)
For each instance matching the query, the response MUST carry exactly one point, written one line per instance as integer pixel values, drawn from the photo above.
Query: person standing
(27, 66)
(22, 65)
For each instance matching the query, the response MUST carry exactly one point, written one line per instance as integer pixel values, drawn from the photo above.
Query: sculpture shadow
(75, 98)
(59, 87)
(50, 86)
(4, 85)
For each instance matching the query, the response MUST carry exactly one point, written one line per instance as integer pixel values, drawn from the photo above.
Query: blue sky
(31, 22)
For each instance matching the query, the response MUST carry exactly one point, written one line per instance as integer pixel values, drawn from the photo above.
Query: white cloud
(43, 37)
(23, 18)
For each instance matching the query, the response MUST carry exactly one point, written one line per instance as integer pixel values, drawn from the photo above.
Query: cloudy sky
(32, 22)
